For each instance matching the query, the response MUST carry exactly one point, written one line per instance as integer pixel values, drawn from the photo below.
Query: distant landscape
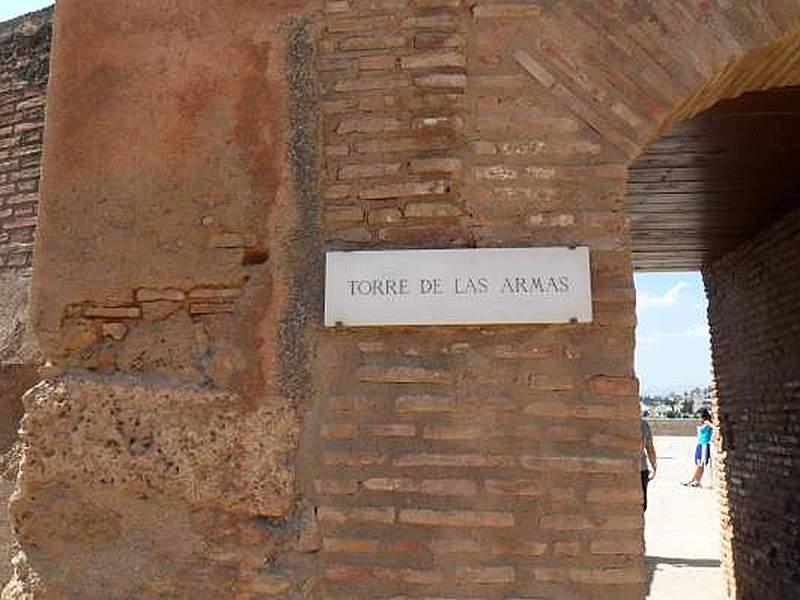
(676, 405)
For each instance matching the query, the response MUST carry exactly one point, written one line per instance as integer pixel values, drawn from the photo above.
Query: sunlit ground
(682, 528)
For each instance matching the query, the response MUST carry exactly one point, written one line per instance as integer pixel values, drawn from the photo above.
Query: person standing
(702, 452)
(648, 452)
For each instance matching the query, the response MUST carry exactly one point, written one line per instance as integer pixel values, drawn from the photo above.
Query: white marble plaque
(458, 287)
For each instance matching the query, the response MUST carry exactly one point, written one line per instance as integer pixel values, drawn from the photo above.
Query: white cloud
(647, 300)
(697, 332)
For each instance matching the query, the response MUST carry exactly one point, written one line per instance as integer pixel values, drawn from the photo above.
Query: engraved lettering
(378, 287)
(431, 286)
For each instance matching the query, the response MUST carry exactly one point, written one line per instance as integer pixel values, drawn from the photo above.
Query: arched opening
(718, 194)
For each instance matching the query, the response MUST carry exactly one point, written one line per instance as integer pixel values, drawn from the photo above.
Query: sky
(672, 339)
(14, 8)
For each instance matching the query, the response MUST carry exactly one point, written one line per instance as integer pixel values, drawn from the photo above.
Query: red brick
(338, 431)
(433, 59)
(572, 522)
(400, 190)
(364, 171)
(109, 312)
(456, 518)
(577, 464)
(614, 386)
(616, 495)
(412, 576)
(515, 487)
(373, 42)
(363, 24)
(431, 210)
(448, 487)
(351, 546)
(329, 514)
(566, 549)
(426, 403)
(401, 374)
(506, 11)
(616, 546)
(485, 575)
(353, 459)
(389, 430)
(529, 350)
(385, 215)
(368, 125)
(336, 486)
(455, 432)
(391, 484)
(425, 234)
(454, 460)
(607, 576)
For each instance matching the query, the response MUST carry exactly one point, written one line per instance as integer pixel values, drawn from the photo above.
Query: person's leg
(645, 480)
(698, 470)
(705, 457)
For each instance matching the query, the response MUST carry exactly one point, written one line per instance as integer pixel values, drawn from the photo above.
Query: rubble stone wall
(753, 294)
(24, 69)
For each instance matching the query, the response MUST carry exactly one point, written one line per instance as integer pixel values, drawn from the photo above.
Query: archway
(718, 194)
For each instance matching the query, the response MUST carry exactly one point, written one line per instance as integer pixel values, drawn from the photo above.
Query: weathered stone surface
(124, 435)
(126, 488)
(141, 547)
(15, 380)
(24, 62)
(17, 344)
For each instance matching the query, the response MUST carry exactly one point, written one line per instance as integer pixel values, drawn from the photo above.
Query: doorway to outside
(673, 364)
(719, 195)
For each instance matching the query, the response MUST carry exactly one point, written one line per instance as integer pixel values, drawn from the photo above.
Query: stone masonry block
(120, 434)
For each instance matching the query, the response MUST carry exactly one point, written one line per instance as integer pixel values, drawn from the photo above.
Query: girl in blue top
(702, 453)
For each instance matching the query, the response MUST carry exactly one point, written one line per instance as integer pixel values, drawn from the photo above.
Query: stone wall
(753, 297)
(233, 447)
(162, 299)
(682, 427)
(24, 68)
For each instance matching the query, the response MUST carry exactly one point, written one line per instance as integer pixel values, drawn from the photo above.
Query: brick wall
(453, 461)
(24, 64)
(753, 297)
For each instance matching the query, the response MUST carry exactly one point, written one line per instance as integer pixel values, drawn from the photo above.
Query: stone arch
(632, 78)
(696, 56)
(752, 565)
(772, 65)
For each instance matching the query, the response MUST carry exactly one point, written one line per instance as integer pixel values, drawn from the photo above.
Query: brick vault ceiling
(715, 180)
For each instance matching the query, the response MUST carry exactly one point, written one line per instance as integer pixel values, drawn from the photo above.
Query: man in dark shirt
(648, 452)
